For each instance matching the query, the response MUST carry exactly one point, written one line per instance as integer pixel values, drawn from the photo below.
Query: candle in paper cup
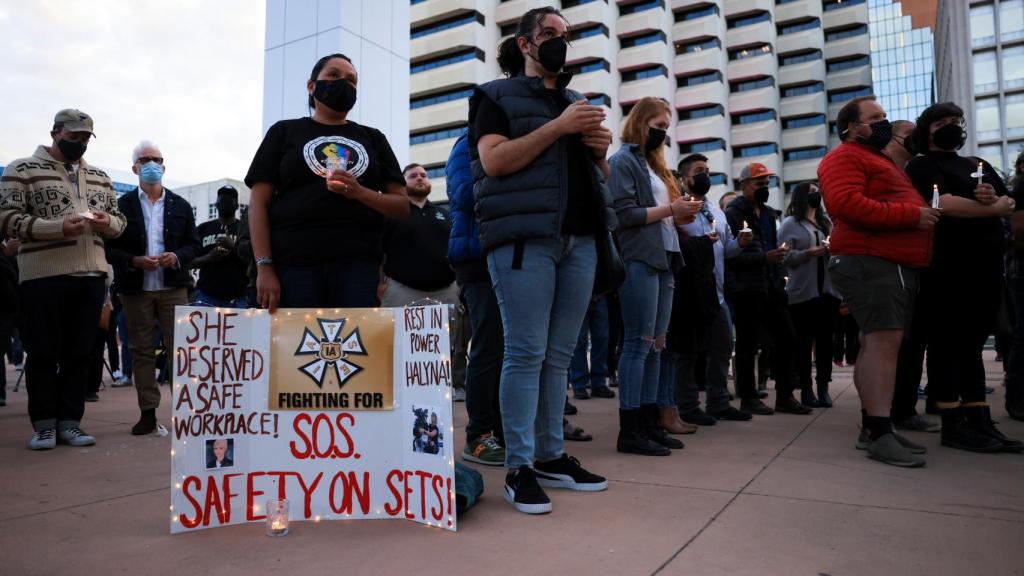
(783, 246)
(745, 228)
(935, 195)
(980, 173)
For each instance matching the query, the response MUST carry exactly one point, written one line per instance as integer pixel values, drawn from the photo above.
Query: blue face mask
(151, 173)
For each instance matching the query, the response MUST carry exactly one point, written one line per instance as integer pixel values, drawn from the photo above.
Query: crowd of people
(568, 267)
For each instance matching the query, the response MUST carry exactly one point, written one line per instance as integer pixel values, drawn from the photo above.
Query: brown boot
(668, 418)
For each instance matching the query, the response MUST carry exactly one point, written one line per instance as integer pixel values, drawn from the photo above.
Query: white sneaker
(43, 440)
(121, 382)
(116, 375)
(76, 437)
(459, 395)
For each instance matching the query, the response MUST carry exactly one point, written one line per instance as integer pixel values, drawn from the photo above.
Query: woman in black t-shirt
(962, 288)
(316, 235)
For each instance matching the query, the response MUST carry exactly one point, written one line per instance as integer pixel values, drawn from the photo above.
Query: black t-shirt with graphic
(225, 278)
(309, 224)
(580, 216)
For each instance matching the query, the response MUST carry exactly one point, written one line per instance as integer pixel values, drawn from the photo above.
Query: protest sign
(345, 413)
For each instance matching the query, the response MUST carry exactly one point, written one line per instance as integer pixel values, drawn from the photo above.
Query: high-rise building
(749, 80)
(374, 33)
(902, 56)
(980, 65)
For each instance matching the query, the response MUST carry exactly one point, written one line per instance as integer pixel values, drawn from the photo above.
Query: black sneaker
(569, 408)
(580, 394)
(602, 392)
(524, 493)
(698, 417)
(566, 472)
(92, 397)
(734, 414)
(755, 406)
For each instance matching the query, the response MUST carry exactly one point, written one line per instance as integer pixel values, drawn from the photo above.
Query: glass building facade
(997, 64)
(902, 61)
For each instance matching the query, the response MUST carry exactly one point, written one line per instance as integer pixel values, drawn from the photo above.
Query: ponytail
(510, 59)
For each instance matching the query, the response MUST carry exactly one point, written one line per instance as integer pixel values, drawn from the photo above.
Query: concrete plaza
(781, 495)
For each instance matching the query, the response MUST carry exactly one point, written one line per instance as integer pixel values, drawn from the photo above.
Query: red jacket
(874, 207)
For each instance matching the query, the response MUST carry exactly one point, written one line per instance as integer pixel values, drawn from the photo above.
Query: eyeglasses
(148, 159)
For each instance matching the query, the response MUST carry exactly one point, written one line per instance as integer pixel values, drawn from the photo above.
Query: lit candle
(827, 241)
(745, 228)
(277, 518)
(980, 173)
(935, 195)
(783, 246)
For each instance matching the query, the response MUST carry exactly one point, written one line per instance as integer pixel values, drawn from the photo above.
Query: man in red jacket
(882, 236)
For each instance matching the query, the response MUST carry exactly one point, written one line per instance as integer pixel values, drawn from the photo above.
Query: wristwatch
(264, 261)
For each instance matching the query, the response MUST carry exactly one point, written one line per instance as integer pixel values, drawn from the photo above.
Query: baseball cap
(754, 170)
(74, 120)
(227, 190)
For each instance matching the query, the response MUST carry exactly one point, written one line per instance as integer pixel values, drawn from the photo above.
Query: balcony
(815, 103)
(743, 134)
(646, 21)
(680, 5)
(765, 64)
(513, 10)
(855, 14)
(760, 99)
(465, 36)
(435, 10)
(654, 86)
(713, 59)
(443, 114)
(852, 46)
(589, 13)
(802, 72)
(813, 38)
(469, 72)
(797, 10)
(800, 170)
(436, 152)
(707, 127)
(589, 48)
(710, 93)
(597, 82)
(805, 137)
(753, 34)
(733, 8)
(710, 25)
(637, 56)
(859, 76)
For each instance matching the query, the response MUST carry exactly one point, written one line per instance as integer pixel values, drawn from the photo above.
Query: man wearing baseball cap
(757, 294)
(222, 274)
(62, 210)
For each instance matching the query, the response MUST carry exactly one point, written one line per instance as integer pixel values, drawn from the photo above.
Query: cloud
(186, 74)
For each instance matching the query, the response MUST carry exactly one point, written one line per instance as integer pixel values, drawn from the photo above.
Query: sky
(186, 74)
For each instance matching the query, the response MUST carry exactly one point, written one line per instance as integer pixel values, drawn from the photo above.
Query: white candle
(935, 195)
(745, 228)
(981, 172)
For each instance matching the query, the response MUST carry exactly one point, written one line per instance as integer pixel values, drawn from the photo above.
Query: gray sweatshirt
(801, 268)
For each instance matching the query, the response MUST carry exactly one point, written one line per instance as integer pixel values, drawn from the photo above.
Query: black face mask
(907, 143)
(551, 54)
(72, 151)
(655, 139)
(761, 194)
(814, 200)
(338, 95)
(701, 184)
(950, 137)
(881, 133)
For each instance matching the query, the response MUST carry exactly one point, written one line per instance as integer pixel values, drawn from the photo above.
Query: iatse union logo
(331, 352)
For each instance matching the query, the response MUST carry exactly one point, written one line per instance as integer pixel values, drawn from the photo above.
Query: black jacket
(695, 299)
(750, 271)
(180, 237)
(9, 295)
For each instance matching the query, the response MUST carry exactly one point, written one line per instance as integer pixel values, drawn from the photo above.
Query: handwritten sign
(346, 413)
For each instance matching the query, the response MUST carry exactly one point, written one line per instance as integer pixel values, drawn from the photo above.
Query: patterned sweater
(36, 195)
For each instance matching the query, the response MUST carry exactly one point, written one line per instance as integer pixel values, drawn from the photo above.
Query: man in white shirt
(151, 271)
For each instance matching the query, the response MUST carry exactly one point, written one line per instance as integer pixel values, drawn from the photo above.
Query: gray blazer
(802, 269)
(630, 186)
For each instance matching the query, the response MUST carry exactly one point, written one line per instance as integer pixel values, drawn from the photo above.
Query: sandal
(574, 433)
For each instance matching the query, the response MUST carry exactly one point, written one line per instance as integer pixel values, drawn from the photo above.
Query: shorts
(880, 294)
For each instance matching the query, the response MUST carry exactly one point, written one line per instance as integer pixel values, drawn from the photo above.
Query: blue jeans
(646, 297)
(204, 299)
(718, 346)
(343, 283)
(542, 306)
(595, 332)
